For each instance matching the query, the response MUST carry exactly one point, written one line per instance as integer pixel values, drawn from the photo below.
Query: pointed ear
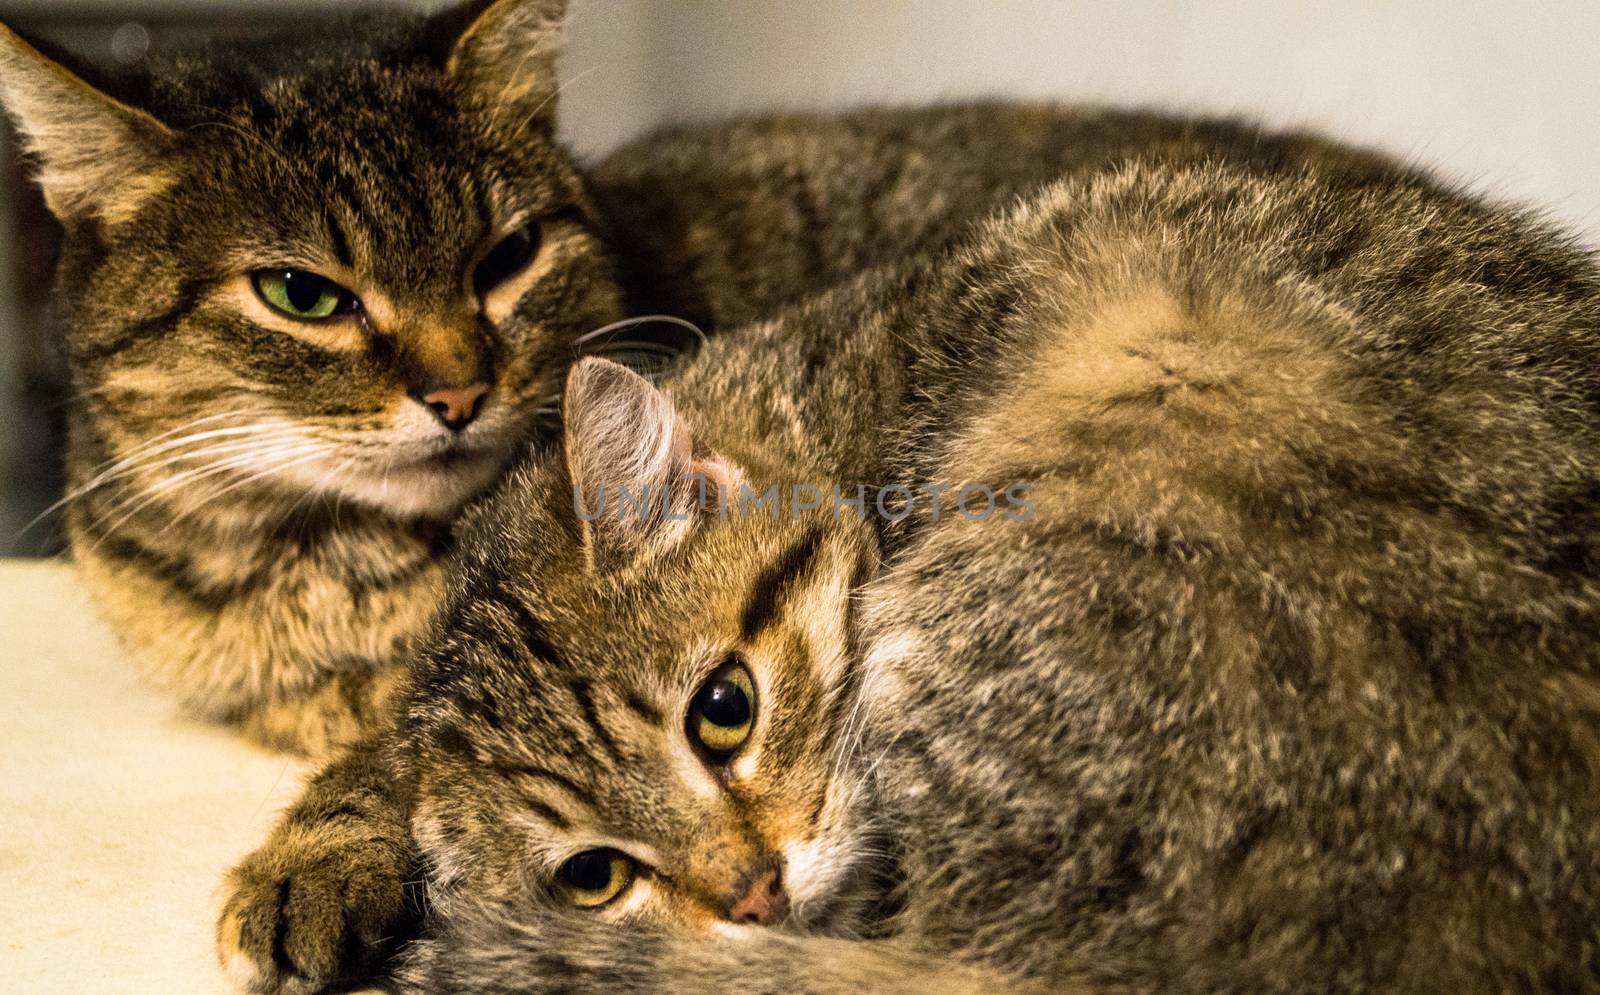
(96, 156)
(504, 52)
(639, 480)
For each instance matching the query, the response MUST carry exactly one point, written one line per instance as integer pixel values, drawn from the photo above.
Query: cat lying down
(1289, 681)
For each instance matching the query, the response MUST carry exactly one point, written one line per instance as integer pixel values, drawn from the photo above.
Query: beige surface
(117, 817)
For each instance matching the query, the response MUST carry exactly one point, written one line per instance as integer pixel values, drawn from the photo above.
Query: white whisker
(144, 498)
(260, 474)
(153, 440)
(139, 459)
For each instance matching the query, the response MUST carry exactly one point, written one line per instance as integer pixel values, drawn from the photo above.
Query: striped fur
(1290, 683)
(259, 508)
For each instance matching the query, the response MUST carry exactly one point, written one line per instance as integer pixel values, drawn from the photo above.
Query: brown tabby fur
(259, 507)
(1290, 683)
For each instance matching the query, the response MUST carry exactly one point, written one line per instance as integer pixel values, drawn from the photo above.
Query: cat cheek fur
(828, 871)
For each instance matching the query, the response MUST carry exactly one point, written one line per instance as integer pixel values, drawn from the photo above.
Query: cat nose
(764, 901)
(455, 407)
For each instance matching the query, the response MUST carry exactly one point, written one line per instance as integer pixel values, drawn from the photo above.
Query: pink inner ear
(625, 437)
(722, 480)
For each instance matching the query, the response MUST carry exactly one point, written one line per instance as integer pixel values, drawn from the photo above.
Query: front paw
(318, 906)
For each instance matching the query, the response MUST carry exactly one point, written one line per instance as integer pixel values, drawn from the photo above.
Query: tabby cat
(315, 291)
(1283, 675)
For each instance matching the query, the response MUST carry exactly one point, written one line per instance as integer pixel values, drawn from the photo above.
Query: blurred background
(1505, 97)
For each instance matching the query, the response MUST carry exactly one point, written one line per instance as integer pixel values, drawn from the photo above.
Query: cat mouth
(451, 468)
(432, 482)
(450, 456)
(447, 460)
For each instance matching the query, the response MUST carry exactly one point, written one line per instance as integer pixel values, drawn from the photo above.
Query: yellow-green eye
(301, 295)
(595, 877)
(724, 710)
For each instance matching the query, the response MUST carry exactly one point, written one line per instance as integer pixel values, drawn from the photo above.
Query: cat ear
(504, 51)
(97, 156)
(639, 480)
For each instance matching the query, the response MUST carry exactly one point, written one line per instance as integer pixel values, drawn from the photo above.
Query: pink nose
(764, 903)
(455, 406)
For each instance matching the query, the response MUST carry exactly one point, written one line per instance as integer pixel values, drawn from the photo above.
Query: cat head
(352, 261)
(646, 713)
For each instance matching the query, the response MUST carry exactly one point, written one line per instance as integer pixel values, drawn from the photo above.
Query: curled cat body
(316, 290)
(1279, 673)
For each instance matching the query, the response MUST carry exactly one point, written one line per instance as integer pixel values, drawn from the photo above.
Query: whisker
(138, 460)
(648, 319)
(153, 445)
(654, 360)
(246, 445)
(292, 451)
(262, 143)
(153, 494)
(186, 426)
(252, 478)
(559, 90)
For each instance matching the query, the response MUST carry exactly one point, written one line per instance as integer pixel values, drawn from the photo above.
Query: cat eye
(301, 295)
(723, 710)
(595, 877)
(507, 259)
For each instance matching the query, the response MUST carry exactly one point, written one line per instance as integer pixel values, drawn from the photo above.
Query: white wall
(1504, 94)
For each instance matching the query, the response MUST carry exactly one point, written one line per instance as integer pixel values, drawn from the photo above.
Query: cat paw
(314, 908)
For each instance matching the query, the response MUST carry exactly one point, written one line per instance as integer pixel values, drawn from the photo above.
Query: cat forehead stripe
(774, 582)
(532, 632)
(583, 694)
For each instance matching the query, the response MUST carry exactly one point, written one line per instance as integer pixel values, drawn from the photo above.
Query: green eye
(724, 710)
(595, 877)
(301, 295)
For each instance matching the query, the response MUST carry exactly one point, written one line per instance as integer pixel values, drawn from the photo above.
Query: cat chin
(422, 490)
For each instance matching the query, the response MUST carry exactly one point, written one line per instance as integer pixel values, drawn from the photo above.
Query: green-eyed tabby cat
(1254, 645)
(315, 290)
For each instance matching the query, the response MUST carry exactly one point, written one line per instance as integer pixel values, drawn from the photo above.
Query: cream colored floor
(117, 817)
